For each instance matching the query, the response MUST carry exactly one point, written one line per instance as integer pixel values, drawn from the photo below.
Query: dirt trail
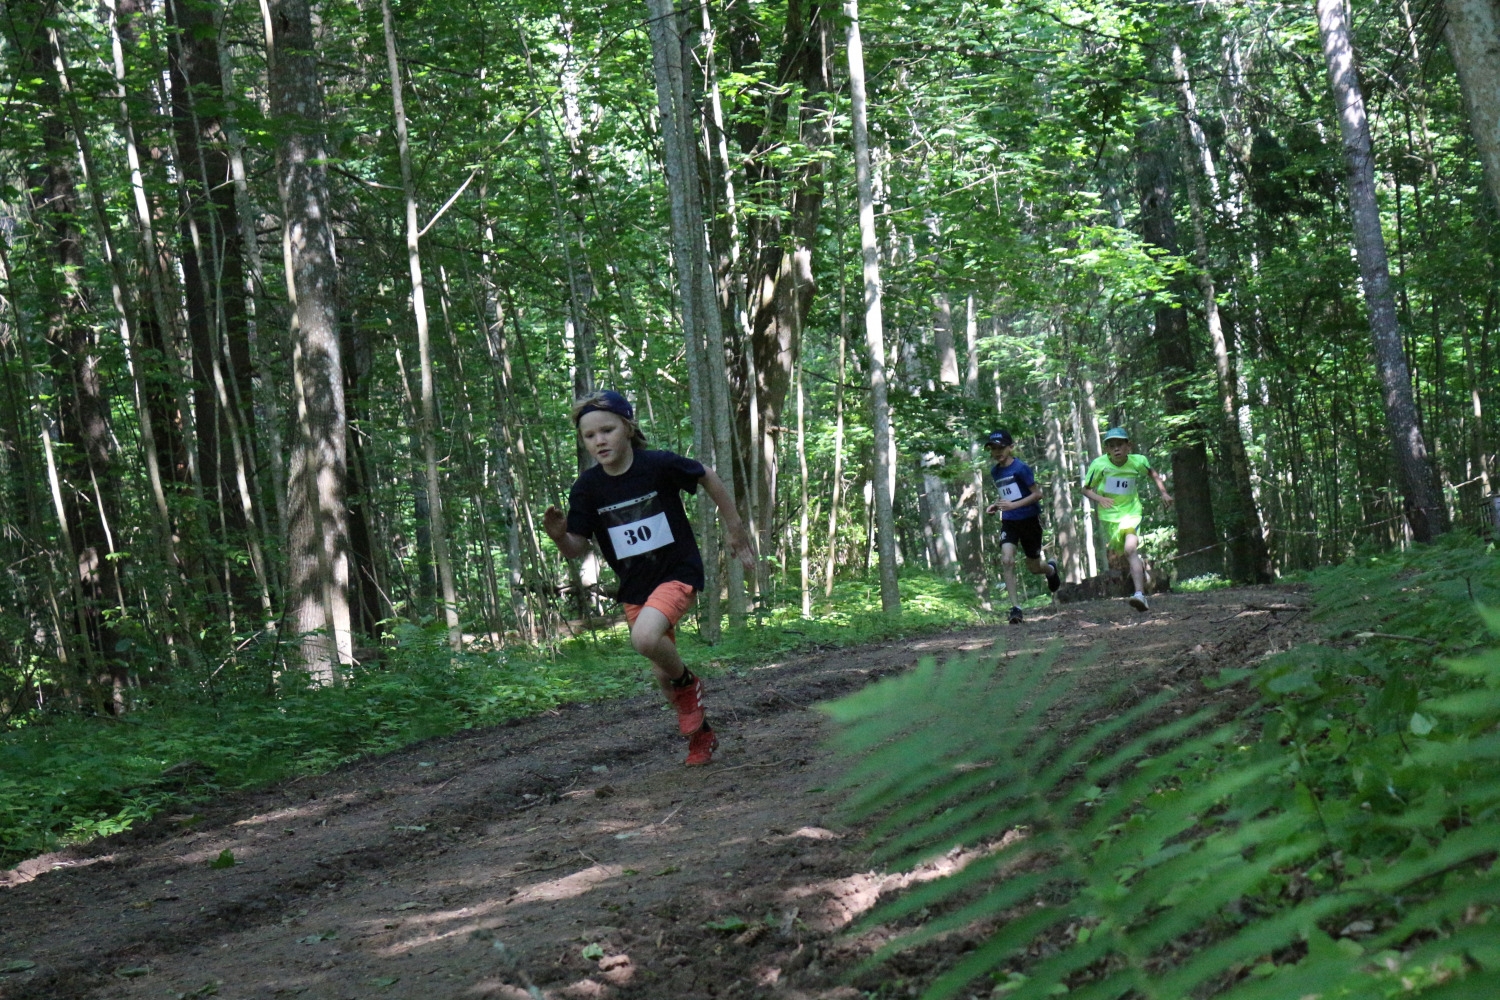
(570, 851)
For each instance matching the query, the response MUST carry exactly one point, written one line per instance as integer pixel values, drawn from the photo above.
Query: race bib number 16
(641, 536)
(1119, 484)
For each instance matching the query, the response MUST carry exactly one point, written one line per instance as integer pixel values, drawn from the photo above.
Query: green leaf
(726, 925)
(593, 952)
(1421, 725)
(224, 860)
(17, 965)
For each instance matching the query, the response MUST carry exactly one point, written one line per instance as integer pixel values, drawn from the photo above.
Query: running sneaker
(701, 747)
(1054, 579)
(1015, 616)
(1138, 601)
(688, 701)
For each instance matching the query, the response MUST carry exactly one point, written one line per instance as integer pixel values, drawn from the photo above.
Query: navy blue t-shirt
(638, 520)
(1016, 482)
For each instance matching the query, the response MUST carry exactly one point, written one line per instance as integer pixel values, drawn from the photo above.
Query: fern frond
(1151, 861)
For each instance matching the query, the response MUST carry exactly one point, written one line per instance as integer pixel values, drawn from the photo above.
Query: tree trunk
(1473, 35)
(885, 519)
(778, 283)
(836, 490)
(1065, 532)
(1248, 560)
(214, 282)
(934, 482)
(317, 549)
(1197, 539)
(427, 413)
(84, 472)
(971, 500)
(680, 161)
(803, 547)
(1425, 511)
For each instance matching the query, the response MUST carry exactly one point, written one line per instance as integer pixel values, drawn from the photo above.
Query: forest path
(572, 850)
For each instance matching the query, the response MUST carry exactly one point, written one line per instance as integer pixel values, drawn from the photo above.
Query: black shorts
(1027, 533)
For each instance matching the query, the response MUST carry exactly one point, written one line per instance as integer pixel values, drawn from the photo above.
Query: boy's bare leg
(1137, 568)
(1008, 564)
(649, 637)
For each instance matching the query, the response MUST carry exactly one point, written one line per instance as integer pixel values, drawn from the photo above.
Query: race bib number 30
(1119, 484)
(640, 536)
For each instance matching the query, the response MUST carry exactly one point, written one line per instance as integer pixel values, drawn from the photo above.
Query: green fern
(1171, 861)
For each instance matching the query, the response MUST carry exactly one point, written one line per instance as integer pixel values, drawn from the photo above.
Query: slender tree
(427, 414)
(885, 519)
(1473, 34)
(1425, 511)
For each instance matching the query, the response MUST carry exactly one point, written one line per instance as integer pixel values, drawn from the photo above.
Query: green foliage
(1336, 840)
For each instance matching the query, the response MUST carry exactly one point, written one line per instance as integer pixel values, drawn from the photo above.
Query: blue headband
(607, 401)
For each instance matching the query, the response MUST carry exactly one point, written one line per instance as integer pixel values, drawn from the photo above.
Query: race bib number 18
(1011, 491)
(1119, 484)
(641, 536)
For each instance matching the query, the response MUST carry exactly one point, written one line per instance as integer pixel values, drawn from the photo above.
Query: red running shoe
(689, 704)
(701, 747)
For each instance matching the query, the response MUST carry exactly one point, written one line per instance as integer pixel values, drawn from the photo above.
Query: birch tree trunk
(837, 490)
(1473, 35)
(1064, 524)
(934, 482)
(427, 413)
(803, 548)
(885, 520)
(679, 156)
(1248, 559)
(317, 549)
(971, 498)
(1425, 511)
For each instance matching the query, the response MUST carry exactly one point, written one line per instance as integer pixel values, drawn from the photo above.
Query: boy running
(1020, 518)
(631, 504)
(1113, 483)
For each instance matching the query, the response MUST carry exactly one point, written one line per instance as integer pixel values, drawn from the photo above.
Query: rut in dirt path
(570, 853)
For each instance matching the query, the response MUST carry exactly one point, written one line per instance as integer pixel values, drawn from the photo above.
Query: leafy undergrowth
(1338, 840)
(67, 779)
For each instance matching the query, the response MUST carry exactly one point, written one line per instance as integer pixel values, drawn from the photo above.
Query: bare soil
(565, 856)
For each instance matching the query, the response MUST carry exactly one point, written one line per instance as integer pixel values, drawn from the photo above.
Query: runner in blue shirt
(1020, 513)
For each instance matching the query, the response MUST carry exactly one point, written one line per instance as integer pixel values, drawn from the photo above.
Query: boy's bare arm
(1102, 502)
(1161, 487)
(555, 524)
(734, 528)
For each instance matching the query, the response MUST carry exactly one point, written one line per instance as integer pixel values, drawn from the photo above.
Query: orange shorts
(672, 599)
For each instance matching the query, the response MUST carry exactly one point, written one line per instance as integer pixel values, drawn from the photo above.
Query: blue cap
(1116, 434)
(1001, 438)
(607, 401)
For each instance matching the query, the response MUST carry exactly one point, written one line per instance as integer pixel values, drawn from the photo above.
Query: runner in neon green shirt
(1113, 483)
